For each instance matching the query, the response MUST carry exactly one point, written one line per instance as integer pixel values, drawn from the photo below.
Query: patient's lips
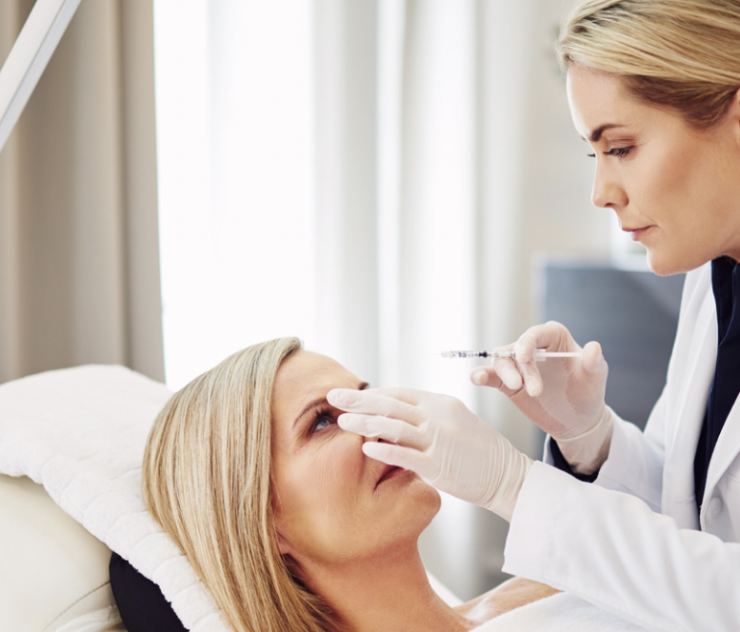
(388, 472)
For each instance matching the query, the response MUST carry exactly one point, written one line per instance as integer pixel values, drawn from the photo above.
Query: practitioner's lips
(637, 233)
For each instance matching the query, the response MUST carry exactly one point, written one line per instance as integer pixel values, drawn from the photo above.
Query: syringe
(540, 355)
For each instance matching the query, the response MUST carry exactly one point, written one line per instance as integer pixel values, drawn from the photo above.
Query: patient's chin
(407, 511)
(425, 503)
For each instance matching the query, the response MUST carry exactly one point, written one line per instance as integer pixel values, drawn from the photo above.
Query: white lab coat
(630, 542)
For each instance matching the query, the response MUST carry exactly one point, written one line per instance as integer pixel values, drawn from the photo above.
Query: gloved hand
(563, 396)
(439, 438)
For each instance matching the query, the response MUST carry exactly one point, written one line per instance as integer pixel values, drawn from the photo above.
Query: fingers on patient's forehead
(385, 428)
(408, 395)
(379, 402)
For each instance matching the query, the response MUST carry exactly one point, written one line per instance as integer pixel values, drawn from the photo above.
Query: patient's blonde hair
(682, 54)
(207, 481)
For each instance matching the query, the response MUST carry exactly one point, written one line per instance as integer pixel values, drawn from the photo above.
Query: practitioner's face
(674, 188)
(333, 504)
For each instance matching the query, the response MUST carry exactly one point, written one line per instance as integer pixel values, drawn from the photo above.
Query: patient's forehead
(305, 376)
(309, 370)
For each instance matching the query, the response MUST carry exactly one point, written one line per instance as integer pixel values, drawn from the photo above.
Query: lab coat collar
(728, 443)
(725, 281)
(698, 366)
(725, 452)
(700, 372)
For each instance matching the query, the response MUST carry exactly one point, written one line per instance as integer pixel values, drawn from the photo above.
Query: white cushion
(53, 573)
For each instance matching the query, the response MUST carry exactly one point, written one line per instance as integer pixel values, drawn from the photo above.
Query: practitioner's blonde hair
(207, 480)
(682, 54)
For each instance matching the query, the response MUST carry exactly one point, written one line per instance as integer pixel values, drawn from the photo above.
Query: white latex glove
(439, 438)
(563, 396)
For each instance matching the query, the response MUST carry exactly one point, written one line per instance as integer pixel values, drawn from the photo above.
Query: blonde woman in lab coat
(651, 529)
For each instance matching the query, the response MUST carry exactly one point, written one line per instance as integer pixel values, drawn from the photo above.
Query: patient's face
(334, 504)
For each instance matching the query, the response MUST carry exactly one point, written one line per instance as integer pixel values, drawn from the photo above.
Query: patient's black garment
(141, 603)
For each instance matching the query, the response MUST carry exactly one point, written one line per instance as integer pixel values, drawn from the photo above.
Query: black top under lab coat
(725, 384)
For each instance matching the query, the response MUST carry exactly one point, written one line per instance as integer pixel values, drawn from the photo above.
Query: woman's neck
(386, 593)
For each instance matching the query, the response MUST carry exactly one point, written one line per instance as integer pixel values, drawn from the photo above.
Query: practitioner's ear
(733, 111)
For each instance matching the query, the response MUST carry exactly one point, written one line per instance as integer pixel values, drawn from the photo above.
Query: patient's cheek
(331, 477)
(318, 490)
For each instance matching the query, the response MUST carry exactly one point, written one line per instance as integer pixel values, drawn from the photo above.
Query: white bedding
(81, 432)
(559, 613)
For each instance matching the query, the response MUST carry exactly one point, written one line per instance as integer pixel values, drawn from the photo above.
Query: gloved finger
(509, 373)
(525, 349)
(485, 376)
(410, 396)
(551, 336)
(502, 374)
(385, 428)
(531, 378)
(593, 363)
(373, 402)
(407, 458)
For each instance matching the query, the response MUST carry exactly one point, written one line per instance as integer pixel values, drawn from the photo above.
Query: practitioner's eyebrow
(595, 136)
(320, 401)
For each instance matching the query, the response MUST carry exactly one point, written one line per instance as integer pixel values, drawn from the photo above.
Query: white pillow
(53, 573)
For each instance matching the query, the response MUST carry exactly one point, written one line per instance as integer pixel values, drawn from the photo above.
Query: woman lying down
(287, 522)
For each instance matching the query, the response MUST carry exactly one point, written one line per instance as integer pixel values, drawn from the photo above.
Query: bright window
(235, 149)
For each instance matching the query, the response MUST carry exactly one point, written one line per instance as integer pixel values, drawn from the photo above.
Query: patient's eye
(322, 420)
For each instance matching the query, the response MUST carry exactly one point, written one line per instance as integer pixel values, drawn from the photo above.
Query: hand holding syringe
(540, 355)
(564, 397)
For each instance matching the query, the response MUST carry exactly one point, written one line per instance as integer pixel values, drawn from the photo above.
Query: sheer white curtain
(374, 176)
(235, 142)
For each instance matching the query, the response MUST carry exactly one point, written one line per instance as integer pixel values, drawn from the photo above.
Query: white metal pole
(27, 59)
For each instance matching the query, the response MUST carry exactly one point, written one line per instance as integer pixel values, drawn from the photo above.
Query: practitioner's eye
(619, 152)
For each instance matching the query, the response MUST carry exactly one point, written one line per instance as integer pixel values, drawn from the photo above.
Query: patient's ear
(282, 543)
(286, 554)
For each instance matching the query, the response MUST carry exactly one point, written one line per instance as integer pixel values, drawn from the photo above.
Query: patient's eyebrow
(315, 403)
